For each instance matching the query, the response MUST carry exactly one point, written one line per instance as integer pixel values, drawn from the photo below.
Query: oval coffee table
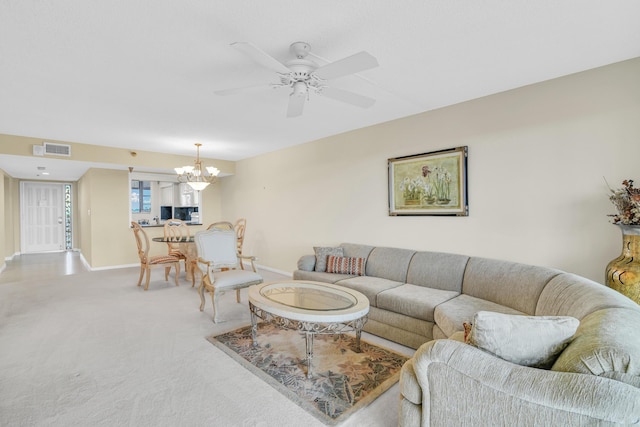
(309, 307)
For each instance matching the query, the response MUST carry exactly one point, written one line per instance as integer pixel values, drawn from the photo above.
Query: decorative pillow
(607, 341)
(467, 331)
(533, 341)
(321, 256)
(344, 265)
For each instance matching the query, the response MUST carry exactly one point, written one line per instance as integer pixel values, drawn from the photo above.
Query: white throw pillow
(534, 341)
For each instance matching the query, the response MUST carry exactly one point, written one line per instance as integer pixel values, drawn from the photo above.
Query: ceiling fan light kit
(303, 75)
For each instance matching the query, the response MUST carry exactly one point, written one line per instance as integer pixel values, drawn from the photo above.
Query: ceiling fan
(303, 75)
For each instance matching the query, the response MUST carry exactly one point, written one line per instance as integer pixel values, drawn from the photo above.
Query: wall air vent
(57, 149)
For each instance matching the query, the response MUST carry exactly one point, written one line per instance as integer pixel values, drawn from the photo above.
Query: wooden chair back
(240, 227)
(142, 241)
(176, 230)
(221, 225)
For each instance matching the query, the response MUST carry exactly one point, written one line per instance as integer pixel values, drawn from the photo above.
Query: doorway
(45, 212)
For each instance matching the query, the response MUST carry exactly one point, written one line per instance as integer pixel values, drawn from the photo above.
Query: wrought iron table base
(310, 329)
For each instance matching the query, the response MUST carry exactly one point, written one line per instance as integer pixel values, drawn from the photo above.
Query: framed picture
(429, 184)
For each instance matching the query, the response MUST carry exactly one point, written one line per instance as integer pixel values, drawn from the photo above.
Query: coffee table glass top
(309, 297)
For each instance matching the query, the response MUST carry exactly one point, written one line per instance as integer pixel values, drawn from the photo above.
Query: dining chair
(222, 225)
(147, 261)
(219, 263)
(240, 226)
(176, 230)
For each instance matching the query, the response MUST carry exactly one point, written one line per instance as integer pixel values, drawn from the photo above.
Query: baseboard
(274, 270)
(84, 262)
(114, 267)
(9, 258)
(108, 267)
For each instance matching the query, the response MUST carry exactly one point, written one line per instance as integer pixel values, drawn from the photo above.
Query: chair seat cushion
(163, 259)
(177, 254)
(235, 278)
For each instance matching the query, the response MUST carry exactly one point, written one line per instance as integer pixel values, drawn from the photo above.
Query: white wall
(537, 158)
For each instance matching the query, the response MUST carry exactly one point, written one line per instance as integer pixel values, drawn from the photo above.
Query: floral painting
(429, 184)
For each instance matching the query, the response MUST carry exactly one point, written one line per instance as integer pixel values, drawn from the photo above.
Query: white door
(42, 213)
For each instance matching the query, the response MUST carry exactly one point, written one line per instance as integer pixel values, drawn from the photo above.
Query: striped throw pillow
(345, 265)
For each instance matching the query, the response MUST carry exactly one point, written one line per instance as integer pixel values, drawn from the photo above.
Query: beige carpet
(344, 380)
(94, 349)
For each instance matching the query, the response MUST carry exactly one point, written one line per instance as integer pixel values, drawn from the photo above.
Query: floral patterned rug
(343, 379)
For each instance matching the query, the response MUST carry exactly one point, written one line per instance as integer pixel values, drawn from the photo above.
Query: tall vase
(623, 273)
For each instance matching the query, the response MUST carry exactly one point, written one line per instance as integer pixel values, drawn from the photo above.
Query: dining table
(188, 248)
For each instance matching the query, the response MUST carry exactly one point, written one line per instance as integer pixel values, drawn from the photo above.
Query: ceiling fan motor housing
(300, 49)
(301, 68)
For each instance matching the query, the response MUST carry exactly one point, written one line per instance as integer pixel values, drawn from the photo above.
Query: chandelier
(197, 176)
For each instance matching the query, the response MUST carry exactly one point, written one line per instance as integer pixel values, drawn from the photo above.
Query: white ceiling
(140, 74)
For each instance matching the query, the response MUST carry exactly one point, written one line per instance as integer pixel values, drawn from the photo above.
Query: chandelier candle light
(197, 176)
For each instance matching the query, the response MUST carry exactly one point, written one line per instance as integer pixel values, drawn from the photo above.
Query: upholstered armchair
(220, 264)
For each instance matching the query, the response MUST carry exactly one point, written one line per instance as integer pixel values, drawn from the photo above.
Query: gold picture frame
(432, 183)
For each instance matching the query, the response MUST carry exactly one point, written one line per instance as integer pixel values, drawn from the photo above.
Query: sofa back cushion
(354, 250)
(389, 263)
(437, 270)
(571, 295)
(507, 283)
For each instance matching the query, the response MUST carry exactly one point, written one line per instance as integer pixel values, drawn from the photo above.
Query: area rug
(343, 382)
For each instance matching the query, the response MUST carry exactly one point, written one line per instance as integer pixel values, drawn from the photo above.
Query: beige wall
(10, 242)
(537, 158)
(106, 239)
(4, 201)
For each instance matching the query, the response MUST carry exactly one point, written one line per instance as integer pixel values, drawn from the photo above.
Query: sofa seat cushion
(451, 315)
(606, 341)
(400, 321)
(369, 286)
(317, 276)
(412, 300)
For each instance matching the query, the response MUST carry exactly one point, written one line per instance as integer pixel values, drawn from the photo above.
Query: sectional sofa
(420, 298)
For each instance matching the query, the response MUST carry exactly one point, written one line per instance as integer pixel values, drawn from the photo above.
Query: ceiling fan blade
(348, 97)
(349, 65)
(236, 90)
(261, 57)
(296, 105)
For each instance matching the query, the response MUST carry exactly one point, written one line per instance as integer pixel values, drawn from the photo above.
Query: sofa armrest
(307, 263)
(462, 383)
